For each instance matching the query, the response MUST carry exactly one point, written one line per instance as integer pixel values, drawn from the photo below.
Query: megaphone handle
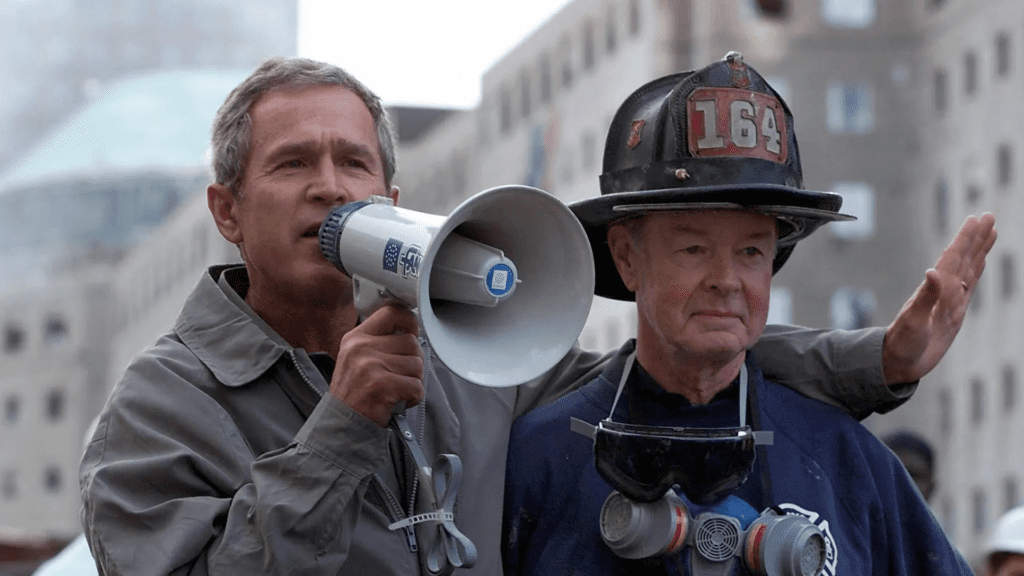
(370, 297)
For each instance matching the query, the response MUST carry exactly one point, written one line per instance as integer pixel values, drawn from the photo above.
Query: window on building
(1011, 493)
(770, 8)
(589, 48)
(55, 405)
(970, 73)
(505, 114)
(1009, 388)
(852, 308)
(10, 488)
(545, 79)
(941, 205)
(780, 309)
(12, 409)
(634, 17)
(1004, 164)
(52, 479)
(940, 90)
(611, 39)
(14, 338)
(55, 332)
(977, 401)
(566, 63)
(945, 412)
(973, 194)
(525, 101)
(859, 201)
(980, 511)
(1008, 275)
(483, 124)
(848, 13)
(850, 107)
(1003, 54)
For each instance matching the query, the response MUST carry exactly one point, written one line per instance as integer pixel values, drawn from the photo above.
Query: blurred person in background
(1004, 550)
(917, 457)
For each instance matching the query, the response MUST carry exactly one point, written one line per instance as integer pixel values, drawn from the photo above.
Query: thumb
(920, 306)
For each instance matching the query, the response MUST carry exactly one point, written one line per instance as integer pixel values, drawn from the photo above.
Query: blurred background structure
(905, 107)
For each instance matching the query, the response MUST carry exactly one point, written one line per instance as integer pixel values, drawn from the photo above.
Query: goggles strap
(622, 381)
(743, 395)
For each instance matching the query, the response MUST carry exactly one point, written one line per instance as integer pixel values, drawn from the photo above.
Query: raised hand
(929, 321)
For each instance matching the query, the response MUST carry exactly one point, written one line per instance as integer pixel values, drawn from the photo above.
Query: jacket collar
(223, 331)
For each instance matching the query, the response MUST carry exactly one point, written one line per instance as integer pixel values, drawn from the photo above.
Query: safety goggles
(643, 462)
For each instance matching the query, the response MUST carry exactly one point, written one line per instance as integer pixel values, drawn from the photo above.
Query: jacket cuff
(344, 437)
(865, 381)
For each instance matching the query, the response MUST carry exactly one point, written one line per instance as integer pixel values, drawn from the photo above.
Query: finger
(987, 238)
(918, 309)
(955, 257)
(410, 365)
(391, 318)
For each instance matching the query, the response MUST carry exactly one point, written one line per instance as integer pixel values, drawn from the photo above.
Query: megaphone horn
(502, 286)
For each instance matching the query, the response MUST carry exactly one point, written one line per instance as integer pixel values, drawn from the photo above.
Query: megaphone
(502, 286)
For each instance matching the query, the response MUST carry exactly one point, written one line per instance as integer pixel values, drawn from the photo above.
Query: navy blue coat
(823, 464)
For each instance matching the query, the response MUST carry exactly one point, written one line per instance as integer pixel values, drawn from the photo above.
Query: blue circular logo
(500, 280)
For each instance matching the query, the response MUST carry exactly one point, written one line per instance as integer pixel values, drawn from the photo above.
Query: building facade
(54, 359)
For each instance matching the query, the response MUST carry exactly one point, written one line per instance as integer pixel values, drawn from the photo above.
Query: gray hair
(232, 128)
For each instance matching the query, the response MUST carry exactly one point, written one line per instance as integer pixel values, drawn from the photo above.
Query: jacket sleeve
(839, 367)
(170, 486)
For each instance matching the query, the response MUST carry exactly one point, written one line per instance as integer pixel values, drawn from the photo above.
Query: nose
(326, 185)
(721, 275)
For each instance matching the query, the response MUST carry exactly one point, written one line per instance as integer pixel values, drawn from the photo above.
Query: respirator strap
(622, 381)
(761, 437)
(449, 548)
(580, 427)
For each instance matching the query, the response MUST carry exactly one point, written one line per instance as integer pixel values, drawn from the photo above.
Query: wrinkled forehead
(722, 224)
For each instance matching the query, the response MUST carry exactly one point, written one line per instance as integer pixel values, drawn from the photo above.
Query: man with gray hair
(256, 436)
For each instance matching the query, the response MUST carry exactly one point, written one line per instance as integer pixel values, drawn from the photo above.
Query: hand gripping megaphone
(503, 285)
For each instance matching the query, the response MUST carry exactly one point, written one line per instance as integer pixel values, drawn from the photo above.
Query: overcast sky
(415, 51)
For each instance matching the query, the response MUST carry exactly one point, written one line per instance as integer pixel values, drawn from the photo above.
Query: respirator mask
(644, 517)
(713, 540)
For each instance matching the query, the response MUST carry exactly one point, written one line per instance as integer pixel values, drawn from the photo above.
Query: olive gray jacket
(220, 452)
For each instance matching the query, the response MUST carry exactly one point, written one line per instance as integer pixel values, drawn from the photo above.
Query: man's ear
(222, 203)
(393, 194)
(620, 243)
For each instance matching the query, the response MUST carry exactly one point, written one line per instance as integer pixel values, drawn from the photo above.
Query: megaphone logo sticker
(500, 279)
(409, 259)
(391, 253)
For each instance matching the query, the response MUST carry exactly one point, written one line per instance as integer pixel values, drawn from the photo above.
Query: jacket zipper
(389, 498)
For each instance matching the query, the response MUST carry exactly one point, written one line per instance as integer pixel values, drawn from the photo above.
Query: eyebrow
(304, 147)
